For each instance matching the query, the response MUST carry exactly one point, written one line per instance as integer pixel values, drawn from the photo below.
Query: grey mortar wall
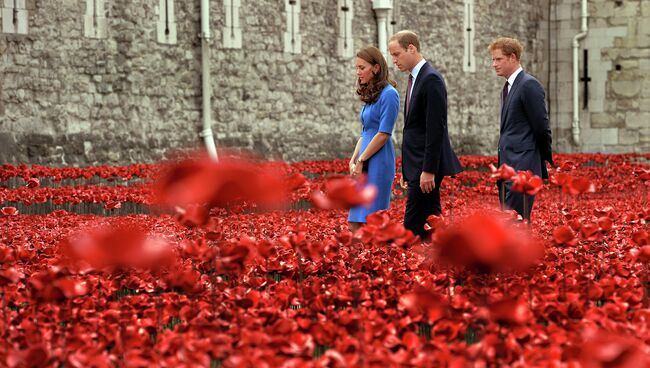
(617, 118)
(67, 99)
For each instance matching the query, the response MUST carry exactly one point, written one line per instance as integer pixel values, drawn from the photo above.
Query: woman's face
(366, 71)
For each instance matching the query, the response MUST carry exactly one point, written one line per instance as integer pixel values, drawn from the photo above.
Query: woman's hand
(352, 167)
(358, 169)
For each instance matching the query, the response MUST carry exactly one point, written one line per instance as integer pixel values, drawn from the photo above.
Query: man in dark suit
(525, 137)
(427, 156)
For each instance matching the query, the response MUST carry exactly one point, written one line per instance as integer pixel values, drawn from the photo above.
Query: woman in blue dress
(374, 153)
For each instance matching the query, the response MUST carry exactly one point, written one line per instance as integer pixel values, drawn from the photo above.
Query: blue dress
(378, 116)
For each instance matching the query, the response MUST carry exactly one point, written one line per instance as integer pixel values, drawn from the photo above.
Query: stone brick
(628, 137)
(607, 120)
(626, 88)
(644, 135)
(637, 119)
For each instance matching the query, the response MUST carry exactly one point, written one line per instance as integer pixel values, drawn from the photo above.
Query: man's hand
(402, 183)
(427, 183)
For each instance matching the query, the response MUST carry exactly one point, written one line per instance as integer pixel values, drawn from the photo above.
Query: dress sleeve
(388, 110)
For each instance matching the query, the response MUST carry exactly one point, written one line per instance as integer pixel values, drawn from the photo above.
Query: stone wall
(69, 99)
(617, 118)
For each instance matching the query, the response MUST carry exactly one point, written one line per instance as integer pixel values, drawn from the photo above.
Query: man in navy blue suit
(427, 156)
(525, 137)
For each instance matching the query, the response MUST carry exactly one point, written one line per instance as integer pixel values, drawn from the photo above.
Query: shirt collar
(416, 68)
(513, 76)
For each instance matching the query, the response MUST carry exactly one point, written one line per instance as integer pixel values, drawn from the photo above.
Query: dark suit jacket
(525, 137)
(425, 144)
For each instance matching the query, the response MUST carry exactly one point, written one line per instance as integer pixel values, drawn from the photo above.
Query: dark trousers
(514, 200)
(419, 206)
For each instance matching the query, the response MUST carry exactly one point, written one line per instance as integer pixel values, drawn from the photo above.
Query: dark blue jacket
(425, 142)
(525, 137)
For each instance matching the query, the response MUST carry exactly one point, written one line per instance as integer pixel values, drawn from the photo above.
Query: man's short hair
(406, 38)
(508, 46)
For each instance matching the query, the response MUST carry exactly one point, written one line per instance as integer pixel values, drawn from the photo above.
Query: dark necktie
(504, 94)
(408, 93)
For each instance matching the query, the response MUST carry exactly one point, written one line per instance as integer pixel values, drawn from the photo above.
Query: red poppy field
(249, 264)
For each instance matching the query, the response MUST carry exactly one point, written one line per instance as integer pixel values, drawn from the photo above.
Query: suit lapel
(506, 103)
(416, 87)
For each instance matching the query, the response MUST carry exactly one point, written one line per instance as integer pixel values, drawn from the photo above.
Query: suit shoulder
(531, 83)
(530, 79)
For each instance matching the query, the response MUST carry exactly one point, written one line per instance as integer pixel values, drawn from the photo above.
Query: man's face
(503, 65)
(402, 58)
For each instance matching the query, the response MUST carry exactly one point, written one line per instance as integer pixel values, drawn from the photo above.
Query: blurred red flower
(577, 186)
(344, 192)
(643, 254)
(423, 302)
(10, 276)
(122, 244)
(564, 235)
(52, 285)
(504, 172)
(641, 238)
(560, 179)
(35, 356)
(526, 182)
(486, 243)
(510, 310)
(221, 183)
(609, 349)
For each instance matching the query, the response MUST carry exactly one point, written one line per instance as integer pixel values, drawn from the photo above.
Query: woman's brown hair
(369, 93)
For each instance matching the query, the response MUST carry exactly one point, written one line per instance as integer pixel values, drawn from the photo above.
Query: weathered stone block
(607, 120)
(628, 137)
(637, 119)
(626, 88)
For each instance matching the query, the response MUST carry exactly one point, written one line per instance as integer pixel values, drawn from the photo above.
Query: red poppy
(485, 243)
(344, 192)
(33, 183)
(590, 231)
(192, 215)
(34, 356)
(526, 182)
(423, 302)
(610, 349)
(123, 244)
(643, 254)
(577, 186)
(9, 211)
(52, 285)
(510, 310)
(564, 235)
(605, 223)
(504, 172)
(641, 238)
(642, 174)
(10, 276)
(434, 222)
(221, 184)
(559, 178)
(112, 205)
(232, 257)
